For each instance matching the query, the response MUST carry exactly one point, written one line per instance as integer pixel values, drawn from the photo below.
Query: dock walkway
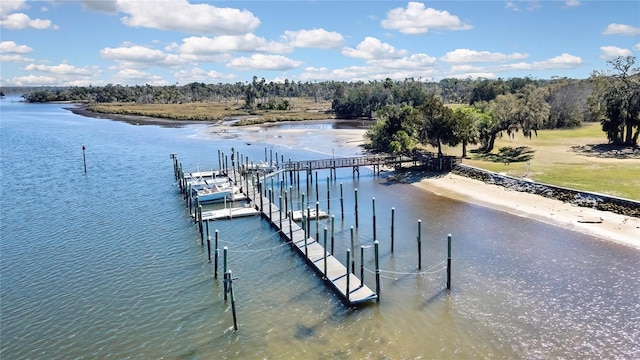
(345, 284)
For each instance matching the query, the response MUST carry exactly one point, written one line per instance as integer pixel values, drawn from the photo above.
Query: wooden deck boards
(315, 255)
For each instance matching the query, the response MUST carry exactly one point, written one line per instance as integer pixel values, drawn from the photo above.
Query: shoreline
(605, 225)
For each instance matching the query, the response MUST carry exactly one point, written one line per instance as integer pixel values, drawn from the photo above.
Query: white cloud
(572, 3)
(413, 62)
(264, 62)
(563, 61)
(14, 58)
(316, 38)
(19, 21)
(12, 47)
(612, 52)
(132, 76)
(180, 15)
(33, 80)
(529, 5)
(140, 56)
(473, 56)
(371, 48)
(636, 47)
(621, 29)
(362, 73)
(416, 19)
(222, 44)
(201, 75)
(62, 69)
(9, 6)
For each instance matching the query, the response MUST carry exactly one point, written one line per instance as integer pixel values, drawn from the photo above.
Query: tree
(621, 101)
(435, 124)
(392, 131)
(465, 120)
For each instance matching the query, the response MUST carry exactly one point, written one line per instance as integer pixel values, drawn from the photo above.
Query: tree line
(413, 111)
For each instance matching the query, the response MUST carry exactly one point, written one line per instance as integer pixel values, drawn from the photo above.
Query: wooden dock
(349, 288)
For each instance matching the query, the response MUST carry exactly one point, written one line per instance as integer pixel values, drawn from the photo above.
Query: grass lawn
(554, 162)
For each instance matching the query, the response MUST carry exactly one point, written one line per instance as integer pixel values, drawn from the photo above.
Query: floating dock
(229, 213)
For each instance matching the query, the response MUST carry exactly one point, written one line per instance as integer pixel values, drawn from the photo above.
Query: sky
(165, 42)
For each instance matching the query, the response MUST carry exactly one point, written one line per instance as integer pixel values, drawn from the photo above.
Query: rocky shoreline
(574, 197)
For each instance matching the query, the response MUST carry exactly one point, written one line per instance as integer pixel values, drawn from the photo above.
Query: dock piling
(375, 246)
(341, 202)
(449, 262)
(353, 265)
(393, 213)
(233, 300)
(419, 244)
(348, 275)
(325, 253)
(215, 260)
(373, 201)
(333, 218)
(225, 250)
(356, 204)
(361, 265)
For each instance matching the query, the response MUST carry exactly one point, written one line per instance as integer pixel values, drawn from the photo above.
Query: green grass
(555, 163)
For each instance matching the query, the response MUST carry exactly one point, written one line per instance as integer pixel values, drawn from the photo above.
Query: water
(109, 264)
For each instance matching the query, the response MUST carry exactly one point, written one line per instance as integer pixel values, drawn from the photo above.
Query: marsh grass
(303, 109)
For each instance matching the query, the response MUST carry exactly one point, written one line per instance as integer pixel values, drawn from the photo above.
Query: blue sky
(129, 42)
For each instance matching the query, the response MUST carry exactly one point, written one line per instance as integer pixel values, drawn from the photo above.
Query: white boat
(215, 193)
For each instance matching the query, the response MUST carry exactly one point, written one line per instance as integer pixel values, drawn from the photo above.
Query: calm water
(109, 264)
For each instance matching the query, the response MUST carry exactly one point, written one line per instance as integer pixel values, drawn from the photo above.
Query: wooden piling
(270, 210)
(333, 218)
(233, 300)
(361, 265)
(419, 244)
(328, 197)
(317, 219)
(280, 211)
(449, 262)
(200, 225)
(375, 246)
(341, 202)
(317, 192)
(215, 260)
(373, 201)
(208, 242)
(84, 159)
(290, 225)
(348, 275)
(225, 250)
(356, 204)
(325, 252)
(353, 244)
(393, 213)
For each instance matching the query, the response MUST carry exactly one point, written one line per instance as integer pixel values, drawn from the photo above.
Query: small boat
(215, 193)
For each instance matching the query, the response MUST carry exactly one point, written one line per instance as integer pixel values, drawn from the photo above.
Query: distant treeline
(612, 98)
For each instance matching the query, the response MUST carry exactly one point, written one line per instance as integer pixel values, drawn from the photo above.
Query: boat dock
(346, 285)
(350, 289)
